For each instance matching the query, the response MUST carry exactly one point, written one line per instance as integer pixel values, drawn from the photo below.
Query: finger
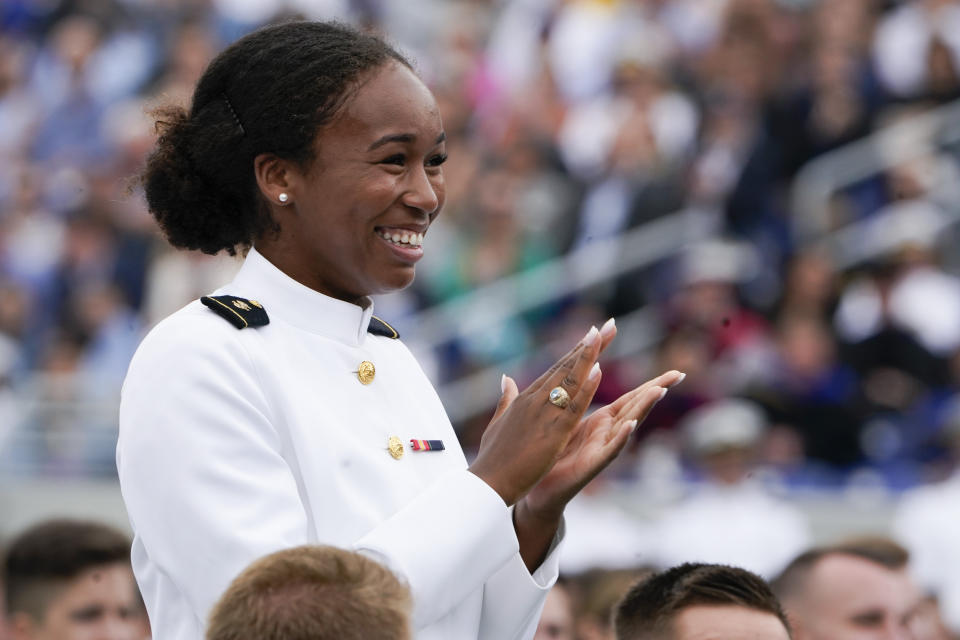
(620, 439)
(639, 408)
(675, 379)
(588, 343)
(666, 380)
(573, 371)
(617, 439)
(580, 401)
(616, 407)
(508, 393)
(607, 333)
(612, 446)
(578, 406)
(542, 380)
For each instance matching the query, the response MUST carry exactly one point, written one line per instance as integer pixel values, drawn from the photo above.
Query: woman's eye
(398, 159)
(437, 160)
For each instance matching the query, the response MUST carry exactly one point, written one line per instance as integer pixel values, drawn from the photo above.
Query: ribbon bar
(427, 445)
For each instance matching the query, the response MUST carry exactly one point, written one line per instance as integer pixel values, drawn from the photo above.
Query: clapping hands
(538, 455)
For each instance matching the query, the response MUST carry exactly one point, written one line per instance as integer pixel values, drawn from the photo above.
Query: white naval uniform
(236, 443)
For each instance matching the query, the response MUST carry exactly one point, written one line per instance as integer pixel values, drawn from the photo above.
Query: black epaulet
(239, 312)
(380, 328)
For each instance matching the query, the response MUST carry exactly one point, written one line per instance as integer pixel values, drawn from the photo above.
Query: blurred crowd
(568, 122)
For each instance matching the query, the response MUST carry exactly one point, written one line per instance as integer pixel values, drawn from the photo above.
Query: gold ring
(559, 397)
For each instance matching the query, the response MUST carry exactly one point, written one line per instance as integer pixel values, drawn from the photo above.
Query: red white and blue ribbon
(427, 445)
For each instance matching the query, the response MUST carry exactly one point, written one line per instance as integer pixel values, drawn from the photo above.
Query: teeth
(413, 239)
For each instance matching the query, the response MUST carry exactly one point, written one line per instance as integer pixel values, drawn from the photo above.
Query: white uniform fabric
(236, 443)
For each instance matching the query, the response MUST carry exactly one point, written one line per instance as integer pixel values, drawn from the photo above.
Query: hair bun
(188, 192)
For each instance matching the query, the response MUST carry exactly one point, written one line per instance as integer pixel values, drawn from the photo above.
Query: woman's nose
(422, 192)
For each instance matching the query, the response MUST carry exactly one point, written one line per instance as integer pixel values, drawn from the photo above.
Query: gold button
(366, 371)
(395, 447)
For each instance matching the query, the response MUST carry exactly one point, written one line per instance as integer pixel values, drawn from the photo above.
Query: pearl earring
(283, 197)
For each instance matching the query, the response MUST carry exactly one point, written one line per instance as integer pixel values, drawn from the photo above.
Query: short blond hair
(313, 593)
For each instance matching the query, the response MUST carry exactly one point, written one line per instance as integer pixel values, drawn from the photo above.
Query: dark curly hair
(269, 92)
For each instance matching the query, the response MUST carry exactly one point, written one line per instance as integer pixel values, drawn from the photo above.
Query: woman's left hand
(595, 443)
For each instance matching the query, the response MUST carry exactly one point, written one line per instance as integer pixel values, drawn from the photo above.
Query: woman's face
(357, 215)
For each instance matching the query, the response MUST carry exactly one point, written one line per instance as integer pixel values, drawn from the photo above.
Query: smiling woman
(317, 151)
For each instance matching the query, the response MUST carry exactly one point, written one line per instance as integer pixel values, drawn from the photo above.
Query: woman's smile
(406, 244)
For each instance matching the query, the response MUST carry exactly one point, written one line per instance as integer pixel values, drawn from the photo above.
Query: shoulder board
(380, 328)
(239, 312)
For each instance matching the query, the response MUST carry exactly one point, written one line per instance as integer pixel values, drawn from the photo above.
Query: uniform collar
(286, 299)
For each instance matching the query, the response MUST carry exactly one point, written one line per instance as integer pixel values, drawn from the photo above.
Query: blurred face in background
(810, 283)
(556, 622)
(806, 348)
(99, 604)
(850, 598)
(729, 465)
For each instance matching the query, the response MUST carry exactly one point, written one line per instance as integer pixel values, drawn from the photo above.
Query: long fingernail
(663, 392)
(591, 337)
(633, 427)
(678, 380)
(594, 372)
(503, 383)
(608, 326)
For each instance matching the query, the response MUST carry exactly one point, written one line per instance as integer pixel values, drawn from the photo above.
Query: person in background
(71, 580)
(313, 592)
(598, 592)
(556, 621)
(696, 601)
(729, 516)
(927, 523)
(853, 591)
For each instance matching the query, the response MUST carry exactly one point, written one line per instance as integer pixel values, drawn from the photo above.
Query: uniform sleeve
(205, 486)
(513, 598)
(471, 541)
(446, 543)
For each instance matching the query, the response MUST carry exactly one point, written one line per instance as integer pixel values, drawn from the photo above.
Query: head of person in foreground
(71, 580)
(313, 593)
(701, 602)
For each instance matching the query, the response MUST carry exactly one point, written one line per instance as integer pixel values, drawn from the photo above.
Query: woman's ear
(275, 178)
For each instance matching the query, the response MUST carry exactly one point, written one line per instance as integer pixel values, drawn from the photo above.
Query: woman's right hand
(523, 441)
